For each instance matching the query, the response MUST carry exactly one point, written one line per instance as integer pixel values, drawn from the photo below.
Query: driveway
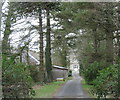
(72, 89)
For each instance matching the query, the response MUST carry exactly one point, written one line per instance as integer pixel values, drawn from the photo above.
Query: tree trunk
(109, 47)
(118, 29)
(64, 56)
(41, 59)
(95, 42)
(96, 46)
(119, 32)
(109, 35)
(27, 57)
(7, 32)
(64, 51)
(48, 62)
(119, 49)
(118, 45)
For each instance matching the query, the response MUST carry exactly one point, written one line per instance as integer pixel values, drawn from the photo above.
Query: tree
(48, 62)
(48, 48)
(108, 26)
(41, 58)
(36, 9)
(62, 43)
(97, 21)
(26, 9)
(60, 48)
(16, 80)
(9, 20)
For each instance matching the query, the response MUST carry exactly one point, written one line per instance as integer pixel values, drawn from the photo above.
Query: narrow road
(72, 89)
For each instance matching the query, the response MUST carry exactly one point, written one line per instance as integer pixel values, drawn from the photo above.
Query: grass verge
(48, 90)
(87, 88)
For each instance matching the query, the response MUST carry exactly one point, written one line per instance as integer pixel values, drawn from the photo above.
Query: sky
(16, 36)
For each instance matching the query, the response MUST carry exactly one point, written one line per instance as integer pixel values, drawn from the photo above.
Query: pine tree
(30, 9)
(9, 20)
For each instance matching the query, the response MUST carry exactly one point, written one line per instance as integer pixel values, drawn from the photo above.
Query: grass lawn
(87, 88)
(49, 89)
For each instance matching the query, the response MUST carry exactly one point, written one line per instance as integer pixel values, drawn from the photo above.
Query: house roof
(34, 54)
(60, 67)
(35, 57)
(36, 60)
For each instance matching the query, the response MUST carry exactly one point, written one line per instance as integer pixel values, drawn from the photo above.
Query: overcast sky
(16, 36)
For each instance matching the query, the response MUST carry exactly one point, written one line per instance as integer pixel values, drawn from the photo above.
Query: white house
(74, 63)
(57, 71)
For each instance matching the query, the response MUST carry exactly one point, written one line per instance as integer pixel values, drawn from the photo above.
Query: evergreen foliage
(16, 79)
(96, 40)
(107, 82)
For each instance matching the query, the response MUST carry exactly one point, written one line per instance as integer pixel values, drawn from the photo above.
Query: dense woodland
(96, 40)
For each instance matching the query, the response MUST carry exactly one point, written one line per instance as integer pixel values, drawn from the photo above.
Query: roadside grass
(48, 90)
(87, 88)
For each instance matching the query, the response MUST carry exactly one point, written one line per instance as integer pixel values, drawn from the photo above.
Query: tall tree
(60, 46)
(118, 25)
(29, 9)
(109, 33)
(8, 31)
(41, 58)
(35, 9)
(48, 62)
(48, 47)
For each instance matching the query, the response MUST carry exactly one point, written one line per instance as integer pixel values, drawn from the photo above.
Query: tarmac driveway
(72, 89)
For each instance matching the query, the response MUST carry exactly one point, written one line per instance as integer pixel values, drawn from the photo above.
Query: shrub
(81, 70)
(16, 79)
(107, 82)
(92, 71)
(34, 72)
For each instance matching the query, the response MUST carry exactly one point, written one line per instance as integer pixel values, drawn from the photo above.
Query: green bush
(107, 82)
(81, 70)
(92, 71)
(34, 72)
(16, 79)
